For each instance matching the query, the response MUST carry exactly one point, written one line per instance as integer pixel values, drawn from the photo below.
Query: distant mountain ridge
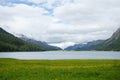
(85, 46)
(9, 42)
(39, 43)
(111, 44)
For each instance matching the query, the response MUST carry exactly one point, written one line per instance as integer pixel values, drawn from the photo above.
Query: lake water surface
(53, 55)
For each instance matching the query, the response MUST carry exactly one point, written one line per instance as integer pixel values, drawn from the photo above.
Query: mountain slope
(111, 44)
(9, 42)
(39, 43)
(88, 46)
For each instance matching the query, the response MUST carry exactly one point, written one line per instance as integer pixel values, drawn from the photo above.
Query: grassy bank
(12, 69)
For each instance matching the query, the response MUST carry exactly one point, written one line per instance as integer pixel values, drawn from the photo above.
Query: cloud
(36, 1)
(74, 21)
(90, 12)
(23, 17)
(49, 4)
(63, 44)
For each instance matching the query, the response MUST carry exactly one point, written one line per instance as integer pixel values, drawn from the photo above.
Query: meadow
(13, 69)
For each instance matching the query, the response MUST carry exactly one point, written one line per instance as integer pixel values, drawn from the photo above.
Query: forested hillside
(111, 44)
(9, 42)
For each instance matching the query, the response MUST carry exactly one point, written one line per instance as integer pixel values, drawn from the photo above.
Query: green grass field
(12, 69)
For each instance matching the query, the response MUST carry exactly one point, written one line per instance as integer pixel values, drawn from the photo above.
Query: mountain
(39, 43)
(111, 44)
(85, 46)
(9, 42)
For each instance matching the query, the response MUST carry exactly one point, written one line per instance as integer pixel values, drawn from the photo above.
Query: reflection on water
(51, 55)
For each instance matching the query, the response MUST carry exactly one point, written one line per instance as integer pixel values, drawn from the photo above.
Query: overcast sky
(61, 22)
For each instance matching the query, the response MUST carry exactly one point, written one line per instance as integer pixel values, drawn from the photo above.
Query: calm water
(51, 55)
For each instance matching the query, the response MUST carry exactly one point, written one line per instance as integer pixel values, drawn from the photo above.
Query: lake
(53, 55)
